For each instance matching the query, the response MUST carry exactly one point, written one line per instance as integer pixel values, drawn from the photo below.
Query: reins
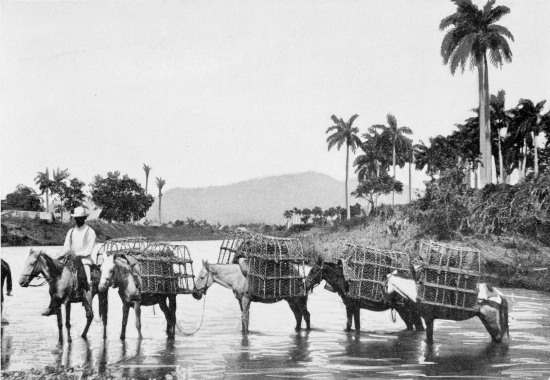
(36, 276)
(203, 291)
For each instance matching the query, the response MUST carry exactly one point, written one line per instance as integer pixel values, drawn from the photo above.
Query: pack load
(366, 270)
(449, 277)
(233, 246)
(275, 267)
(164, 268)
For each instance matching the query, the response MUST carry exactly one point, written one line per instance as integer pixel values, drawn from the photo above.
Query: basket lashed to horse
(164, 268)
(276, 267)
(449, 277)
(233, 246)
(366, 268)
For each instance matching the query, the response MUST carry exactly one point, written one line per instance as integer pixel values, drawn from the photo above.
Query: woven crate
(276, 268)
(166, 269)
(127, 245)
(233, 245)
(366, 270)
(449, 277)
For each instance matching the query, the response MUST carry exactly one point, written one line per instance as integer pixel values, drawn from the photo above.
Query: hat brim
(79, 216)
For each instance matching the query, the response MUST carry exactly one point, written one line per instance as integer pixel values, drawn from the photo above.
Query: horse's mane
(53, 265)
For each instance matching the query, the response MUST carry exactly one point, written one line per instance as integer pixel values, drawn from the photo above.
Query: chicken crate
(127, 245)
(366, 270)
(276, 268)
(233, 246)
(166, 269)
(449, 277)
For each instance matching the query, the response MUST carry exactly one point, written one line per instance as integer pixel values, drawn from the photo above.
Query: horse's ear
(243, 264)
(206, 265)
(319, 260)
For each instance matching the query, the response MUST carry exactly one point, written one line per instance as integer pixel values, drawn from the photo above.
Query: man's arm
(90, 243)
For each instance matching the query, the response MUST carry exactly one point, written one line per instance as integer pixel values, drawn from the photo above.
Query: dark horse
(6, 276)
(333, 274)
(65, 288)
(233, 276)
(123, 272)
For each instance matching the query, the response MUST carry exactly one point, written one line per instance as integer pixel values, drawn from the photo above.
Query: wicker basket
(127, 245)
(276, 268)
(233, 246)
(449, 278)
(366, 268)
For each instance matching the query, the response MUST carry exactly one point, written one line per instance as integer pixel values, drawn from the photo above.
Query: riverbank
(29, 232)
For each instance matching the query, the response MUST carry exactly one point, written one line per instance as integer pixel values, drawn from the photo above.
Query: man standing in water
(80, 241)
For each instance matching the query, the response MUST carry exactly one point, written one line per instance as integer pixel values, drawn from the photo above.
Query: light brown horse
(123, 272)
(64, 289)
(233, 276)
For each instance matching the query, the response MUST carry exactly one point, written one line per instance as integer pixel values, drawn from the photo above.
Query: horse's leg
(103, 310)
(429, 329)
(349, 314)
(68, 321)
(166, 311)
(245, 307)
(357, 317)
(87, 303)
(305, 312)
(60, 325)
(406, 316)
(297, 313)
(173, 307)
(137, 307)
(125, 310)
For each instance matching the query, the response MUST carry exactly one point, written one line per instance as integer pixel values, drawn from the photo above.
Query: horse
(492, 307)
(333, 274)
(123, 272)
(64, 289)
(6, 277)
(234, 277)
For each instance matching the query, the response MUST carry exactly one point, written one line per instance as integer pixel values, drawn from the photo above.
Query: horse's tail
(503, 316)
(103, 298)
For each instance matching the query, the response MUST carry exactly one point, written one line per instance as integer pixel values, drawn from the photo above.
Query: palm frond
(501, 30)
(495, 14)
(462, 53)
(392, 122)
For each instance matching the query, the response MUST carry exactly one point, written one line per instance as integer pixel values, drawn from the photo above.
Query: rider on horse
(80, 242)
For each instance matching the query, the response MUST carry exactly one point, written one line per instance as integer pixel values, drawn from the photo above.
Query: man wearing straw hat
(80, 241)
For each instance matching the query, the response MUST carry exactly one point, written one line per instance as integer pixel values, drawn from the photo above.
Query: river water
(383, 349)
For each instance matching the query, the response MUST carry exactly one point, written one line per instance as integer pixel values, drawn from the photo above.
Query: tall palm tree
(160, 185)
(474, 35)
(499, 119)
(344, 133)
(59, 186)
(288, 214)
(147, 169)
(45, 185)
(399, 142)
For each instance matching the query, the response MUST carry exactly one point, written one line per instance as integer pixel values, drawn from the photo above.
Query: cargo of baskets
(276, 268)
(164, 268)
(449, 277)
(366, 270)
(233, 246)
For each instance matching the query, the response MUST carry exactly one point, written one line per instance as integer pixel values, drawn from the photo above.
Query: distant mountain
(258, 200)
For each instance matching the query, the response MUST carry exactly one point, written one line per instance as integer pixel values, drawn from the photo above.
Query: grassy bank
(508, 260)
(28, 232)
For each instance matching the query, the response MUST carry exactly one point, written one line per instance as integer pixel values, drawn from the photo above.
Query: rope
(393, 315)
(200, 325)
(35, 286)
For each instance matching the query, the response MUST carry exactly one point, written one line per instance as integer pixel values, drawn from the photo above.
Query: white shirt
(81, 241)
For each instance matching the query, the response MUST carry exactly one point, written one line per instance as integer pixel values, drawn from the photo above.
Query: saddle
(75, 266)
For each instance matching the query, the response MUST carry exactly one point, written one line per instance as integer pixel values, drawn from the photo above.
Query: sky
(215, 92)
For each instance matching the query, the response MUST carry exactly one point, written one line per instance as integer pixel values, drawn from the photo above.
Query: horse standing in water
(6, 276)
(65, 288)
(233, 277)
(123, 272)
(333, 274)
(492, 305)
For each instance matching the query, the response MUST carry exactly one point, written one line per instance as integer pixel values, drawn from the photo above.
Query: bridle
(33, 275)
(312, 280)
(203, 290)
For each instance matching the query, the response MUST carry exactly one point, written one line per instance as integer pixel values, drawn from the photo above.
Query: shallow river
(383, 349)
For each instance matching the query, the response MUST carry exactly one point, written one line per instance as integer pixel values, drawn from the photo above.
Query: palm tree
(472, 36)
(59, 185)
(499, 119)
(288, 214)
(344, 133)
(160, 185)
(147, 169)
(45, 185)
(399, 142)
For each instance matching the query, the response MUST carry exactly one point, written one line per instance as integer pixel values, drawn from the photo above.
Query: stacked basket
(366, 270)
(449, 278)
(233, 246)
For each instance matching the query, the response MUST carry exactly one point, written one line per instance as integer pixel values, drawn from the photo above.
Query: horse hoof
(122, 337)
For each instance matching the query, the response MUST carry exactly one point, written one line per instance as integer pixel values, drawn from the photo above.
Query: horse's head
(203, 281)
(315, 275)
(32, 268)
(107, 272)
(334, 276)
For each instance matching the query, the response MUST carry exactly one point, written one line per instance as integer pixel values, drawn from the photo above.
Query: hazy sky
(215, 92)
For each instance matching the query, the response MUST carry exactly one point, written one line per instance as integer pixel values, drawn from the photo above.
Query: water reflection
(6, 349)
(299, 348)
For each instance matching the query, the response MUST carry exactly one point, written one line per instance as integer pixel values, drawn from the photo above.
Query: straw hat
(79, 212)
